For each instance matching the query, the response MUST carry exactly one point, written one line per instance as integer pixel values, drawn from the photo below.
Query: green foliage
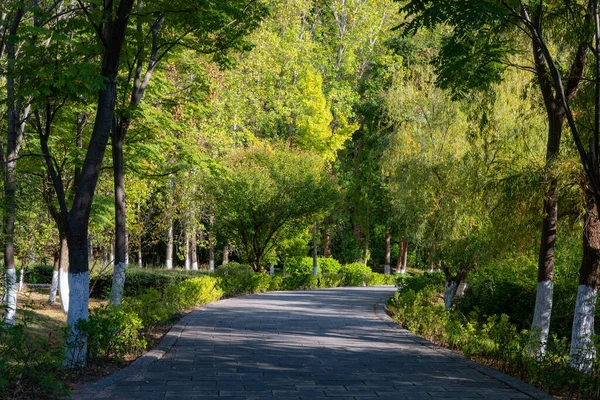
(300, 266)
(328, 265)
(30, 366)
(113, 332)
(139, 280)
(377, 279)
(490, 338)
(236, 279)
(38, 273)
(356, 274)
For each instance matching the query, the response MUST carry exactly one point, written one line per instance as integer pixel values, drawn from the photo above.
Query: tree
(493, 31)
(264, 196)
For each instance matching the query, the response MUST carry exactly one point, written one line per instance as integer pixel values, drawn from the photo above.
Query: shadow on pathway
(323, 344)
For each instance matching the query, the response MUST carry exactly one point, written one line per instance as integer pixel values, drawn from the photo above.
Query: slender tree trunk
(169, 262)
(54, 285)
(540, 326)
(63, 275)
(315, 260)
(90, 249)
(16, 117)
(211, 245)
(388, 244)
(226, 255)
(120, 264)
(140, 263)
(187, 251)
(193, 251)
(403, 256)
(326, 240)
(583, 351)
(22, 277)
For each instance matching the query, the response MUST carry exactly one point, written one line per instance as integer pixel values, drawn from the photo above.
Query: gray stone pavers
(323, 344)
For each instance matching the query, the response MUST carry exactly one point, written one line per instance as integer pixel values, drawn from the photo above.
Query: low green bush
(39, 273)
(355, 274)
(237, 279)
(113, 332)
(377, 279)
(328, 265)
(492, 339)
(299, 266)
(194, 292)
(139, 280)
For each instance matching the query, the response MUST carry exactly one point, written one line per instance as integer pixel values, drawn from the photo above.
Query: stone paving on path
(322, 344)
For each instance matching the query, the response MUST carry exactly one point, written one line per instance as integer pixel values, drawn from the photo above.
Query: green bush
(194, 292)
(113, 332)
(139, 280)
(297, 266)
(151, 306)
(328, 265)
(356, 274)
(276, 283)
(236, 279)
(377, 279)
(30, 366)
(300, 282)
(39, 273)
(491, 339)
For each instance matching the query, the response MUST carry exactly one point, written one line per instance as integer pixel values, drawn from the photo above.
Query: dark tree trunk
(117, 137)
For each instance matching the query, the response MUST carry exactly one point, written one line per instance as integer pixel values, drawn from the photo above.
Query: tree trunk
(120, 263)
(315, 261)
(140, 263)
(54, 285)
(22, 277)
(583, 351)
(211, 244)
(545, 286)
(225, 255)
(90, 249)
(193, 251)
(187, 252)
(326, 239)
(449, 294)
(169, 262)
(403, 257)
(63, 275)
(387, 257)
(16, 117)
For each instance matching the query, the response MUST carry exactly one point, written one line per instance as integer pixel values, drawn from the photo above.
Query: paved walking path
(324, 344)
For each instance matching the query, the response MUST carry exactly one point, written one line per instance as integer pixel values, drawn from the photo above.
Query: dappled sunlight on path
(323, 344)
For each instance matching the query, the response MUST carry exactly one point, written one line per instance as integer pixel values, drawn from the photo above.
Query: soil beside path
(323, 344)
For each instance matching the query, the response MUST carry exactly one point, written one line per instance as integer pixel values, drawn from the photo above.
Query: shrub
(151, 307)
(300, 282)
(376, 279)
(328, 265)
(194, 292)
(40, 273)
(113, 332)
(276, 283)
(356, 274)
(297, 266)
(236, 278)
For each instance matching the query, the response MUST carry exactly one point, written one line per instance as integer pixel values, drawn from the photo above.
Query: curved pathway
(324, 344)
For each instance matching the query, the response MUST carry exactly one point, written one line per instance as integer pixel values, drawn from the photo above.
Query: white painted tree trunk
(63, 276)
(118, 284)
(188, 262)
(272, 270)
(140, 264)
(387, 269)
(104, 256)
(10, 312)
(315, 262)
(169, 262)
(450, 293)
(76, 343)
(21, 278)
(126, 249)
(583, 351)
(460, 291)
(541, 318)
(112, 252)
(211, 265)
(54, 285)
